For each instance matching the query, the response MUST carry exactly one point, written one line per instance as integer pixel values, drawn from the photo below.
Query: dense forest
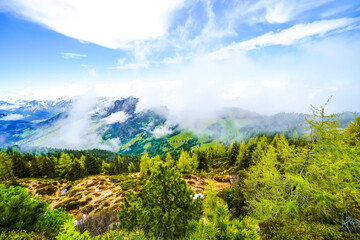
(305, 188)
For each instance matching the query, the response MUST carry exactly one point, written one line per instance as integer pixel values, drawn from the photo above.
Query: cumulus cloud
(72, 55)
(12, 117)
(117, 117)
(112, 24)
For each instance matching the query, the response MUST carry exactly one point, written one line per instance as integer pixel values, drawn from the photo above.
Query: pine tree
(105, 167)
(132, 168)
(6, 172)
(20, 168)
(77, 171)
(184, 164)
(92, 165)
(169, 161)
(233, 152)
(34, 167)
(121, 165)
(145, 164)
(202, 161)
(64, 165)
(163, 206)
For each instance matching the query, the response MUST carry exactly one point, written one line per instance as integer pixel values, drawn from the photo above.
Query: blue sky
(265, 55)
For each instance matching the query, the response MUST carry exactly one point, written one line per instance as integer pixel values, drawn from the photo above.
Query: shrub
(19, 235)
(68, 232)
(21, 211)
(216, 223)
(235, 201)
(124, 235)
(294, 230)
(50, 222)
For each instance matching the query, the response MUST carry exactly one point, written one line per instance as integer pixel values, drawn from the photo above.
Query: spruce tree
(20, 168)
(202, 161)
(77, 171)
(233, 152)
(92, 165)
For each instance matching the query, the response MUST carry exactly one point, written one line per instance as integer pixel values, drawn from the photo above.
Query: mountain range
(122, 126)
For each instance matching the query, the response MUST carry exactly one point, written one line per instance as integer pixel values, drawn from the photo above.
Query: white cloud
(12, 117)
(116, 117)
(282, 11)
(76, 131)
(163, 130)
(288, 36)
(72, 55)
(110, 23)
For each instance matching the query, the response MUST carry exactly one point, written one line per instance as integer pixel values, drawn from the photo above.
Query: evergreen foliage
(76, 171)
(6, 172)
(64, 165)
(162, 207)
(21, 211)
(169, 160)
(233, 152)
(186, 164)
(92, 165)
(20, 168)
(216, 223)
(132, 168)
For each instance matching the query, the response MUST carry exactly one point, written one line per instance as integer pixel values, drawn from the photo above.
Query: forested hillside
(123, 126)
(276, 188)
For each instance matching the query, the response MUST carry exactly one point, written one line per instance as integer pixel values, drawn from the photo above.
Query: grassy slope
(96, 193)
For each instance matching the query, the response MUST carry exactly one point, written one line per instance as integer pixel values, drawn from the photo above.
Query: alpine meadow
(182, 119)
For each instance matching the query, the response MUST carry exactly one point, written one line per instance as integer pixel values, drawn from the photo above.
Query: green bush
(216, 223)
(21, 211)
(19, 235)
(294, 230)
(50, 222)
(68, 232)
(123, 235)
(235, 201)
